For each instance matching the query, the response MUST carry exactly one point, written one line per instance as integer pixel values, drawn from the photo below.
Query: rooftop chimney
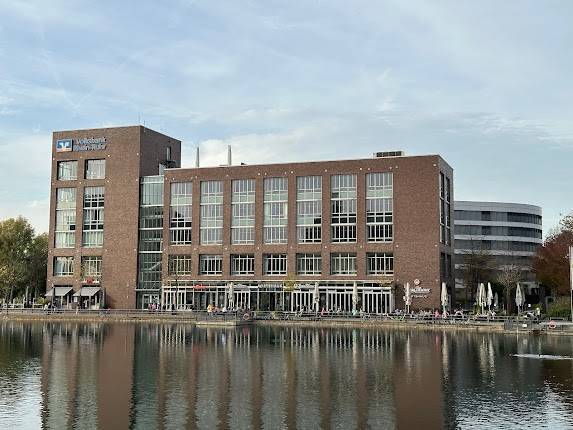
(197, 157)
(229, 160)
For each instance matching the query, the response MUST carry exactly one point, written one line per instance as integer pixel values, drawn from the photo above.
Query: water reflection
(174, 376)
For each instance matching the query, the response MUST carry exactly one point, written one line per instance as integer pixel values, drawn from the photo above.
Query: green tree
(16, 239)
(37, 265)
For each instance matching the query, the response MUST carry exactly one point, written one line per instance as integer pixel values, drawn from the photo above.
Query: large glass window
(180, 265)
(275, 264)
(91, 267)
(67, 170)
(343, 207)
(65, 232)
(211, 213)
(210, 264)
(343, 263)
(275, 210)
(379, 207)
(243, 212)
(93, 217)
(180, 213)
(63, 266)
(243, 264)
(308, 264)
(150, 233)
(309, 209)
(380, 263)
(95, 169)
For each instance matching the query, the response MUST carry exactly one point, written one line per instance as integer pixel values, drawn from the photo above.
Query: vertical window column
(150, 233)
(243, 212)
(211, 227)
(93, 217)
(65, 231)
(180, 212)
(379, 207)
(343, 205)
(275, 210)
(309, 209)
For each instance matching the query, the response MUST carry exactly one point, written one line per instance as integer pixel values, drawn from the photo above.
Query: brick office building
(335, 234)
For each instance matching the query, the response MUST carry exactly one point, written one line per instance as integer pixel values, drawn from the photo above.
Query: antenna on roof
(229, 160)
(197, 156)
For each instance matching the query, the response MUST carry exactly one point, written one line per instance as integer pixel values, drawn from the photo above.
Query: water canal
(173, 376)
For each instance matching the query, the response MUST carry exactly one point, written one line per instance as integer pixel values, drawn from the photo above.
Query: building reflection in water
(171, 376)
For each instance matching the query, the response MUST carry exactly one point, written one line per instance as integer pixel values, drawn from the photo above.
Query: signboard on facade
(420, 292)
(64, 145)
(84, 144)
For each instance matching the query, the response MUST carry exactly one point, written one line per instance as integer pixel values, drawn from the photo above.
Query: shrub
(561, 308)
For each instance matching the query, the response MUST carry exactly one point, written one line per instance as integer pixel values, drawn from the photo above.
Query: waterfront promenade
(310, 319)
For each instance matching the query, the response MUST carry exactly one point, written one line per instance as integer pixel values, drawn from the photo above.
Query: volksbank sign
(85, 144)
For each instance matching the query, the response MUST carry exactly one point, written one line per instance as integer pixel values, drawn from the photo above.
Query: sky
(487, 85)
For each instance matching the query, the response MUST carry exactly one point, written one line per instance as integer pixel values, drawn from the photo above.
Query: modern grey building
(508, 233)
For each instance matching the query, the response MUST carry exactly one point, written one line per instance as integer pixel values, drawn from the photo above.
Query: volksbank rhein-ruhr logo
(64, 145)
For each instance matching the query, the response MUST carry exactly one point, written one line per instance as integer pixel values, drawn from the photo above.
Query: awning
(87, 291)
(59, 292)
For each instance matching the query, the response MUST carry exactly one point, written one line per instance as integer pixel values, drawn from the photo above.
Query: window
(308, 264)
(150, 232)
(379, 207)
(380, 263)
(93, 217)
(243, 212)
(95, 169)
(180, 265)
(309, 209)
(275, 264)
(63, 266)
(180, 212)
(275, 210)
(211, 213)
(343, 206)
(210, 264)
(343, 263)
(67, 170)
(445, 210)
(243, 264)
(150, 267)
(91, 267)
(65, 231)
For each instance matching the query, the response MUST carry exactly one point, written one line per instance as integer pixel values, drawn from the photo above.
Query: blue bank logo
(63, 145)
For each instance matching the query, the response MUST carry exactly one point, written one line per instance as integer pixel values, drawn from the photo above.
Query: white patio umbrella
(495, 301)
(489, 296)
(231, 296)
(407, 297)
(519, 300)
(481, 296)
(315, 297)
(444, 297)
(354, 296)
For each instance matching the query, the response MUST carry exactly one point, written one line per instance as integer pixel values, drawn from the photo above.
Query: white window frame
(309, 209)
(95, 168)
(181, 213)
(380, 263)
(275, 264)
(343, 264)
(275, 208)
(308, 264)
(210, 264)
(67, 170)
(242, 264)
(343, 203)
(243, 212)
(211, 223)
(64, 266)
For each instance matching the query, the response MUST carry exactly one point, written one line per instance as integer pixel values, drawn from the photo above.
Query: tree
(475, 267)
(551, 263)
(37, 265)
(16, 239)
(508, 276)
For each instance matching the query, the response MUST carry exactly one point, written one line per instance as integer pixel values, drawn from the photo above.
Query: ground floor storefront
(330, 296)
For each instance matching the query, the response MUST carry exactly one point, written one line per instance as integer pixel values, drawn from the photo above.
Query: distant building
(342, 234)
(509, 233)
